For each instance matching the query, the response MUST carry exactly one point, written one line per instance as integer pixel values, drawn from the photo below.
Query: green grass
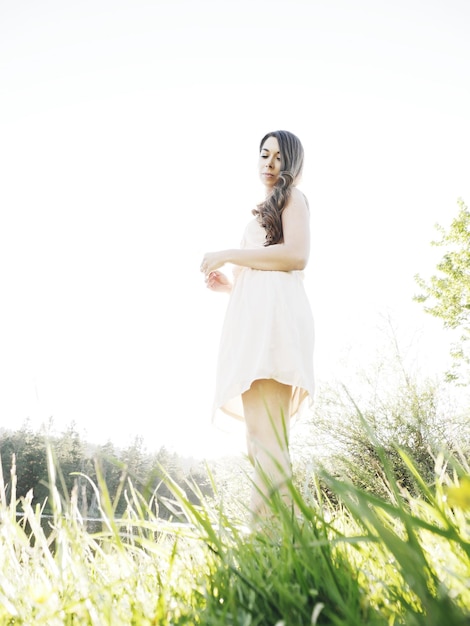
(365, 561)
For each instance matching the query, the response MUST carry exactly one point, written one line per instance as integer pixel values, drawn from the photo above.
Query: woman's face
(269, 163)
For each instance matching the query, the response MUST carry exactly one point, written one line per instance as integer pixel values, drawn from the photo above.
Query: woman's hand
(218, 282)
(211, 261)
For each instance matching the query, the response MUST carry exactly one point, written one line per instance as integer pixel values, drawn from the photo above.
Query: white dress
(267, 333)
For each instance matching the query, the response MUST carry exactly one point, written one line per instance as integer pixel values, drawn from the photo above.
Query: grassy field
(363, 561)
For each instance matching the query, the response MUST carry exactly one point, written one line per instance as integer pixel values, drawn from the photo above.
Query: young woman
(265, 366)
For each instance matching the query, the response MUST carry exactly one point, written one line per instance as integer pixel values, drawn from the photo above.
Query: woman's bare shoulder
(298, 199)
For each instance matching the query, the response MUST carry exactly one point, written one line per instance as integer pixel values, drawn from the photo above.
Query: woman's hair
(292, 159)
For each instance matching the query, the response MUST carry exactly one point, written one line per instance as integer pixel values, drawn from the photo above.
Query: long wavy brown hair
(270, 210)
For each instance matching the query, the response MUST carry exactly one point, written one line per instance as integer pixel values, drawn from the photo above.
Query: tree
(447, 294)
(71, 463)
(29, 449)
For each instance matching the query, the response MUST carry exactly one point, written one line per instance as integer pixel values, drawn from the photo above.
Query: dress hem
(302, 398)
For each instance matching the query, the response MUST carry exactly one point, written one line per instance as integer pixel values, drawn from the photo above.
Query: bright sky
(129, 133)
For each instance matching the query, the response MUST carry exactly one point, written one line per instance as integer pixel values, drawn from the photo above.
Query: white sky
(129, 134)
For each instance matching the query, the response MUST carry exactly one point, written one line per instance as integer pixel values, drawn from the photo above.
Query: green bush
(394, 409)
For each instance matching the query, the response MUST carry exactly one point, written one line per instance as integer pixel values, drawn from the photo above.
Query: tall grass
(365, 561)
(130, 571)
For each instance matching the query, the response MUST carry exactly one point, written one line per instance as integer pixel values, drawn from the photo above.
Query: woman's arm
(292, 254)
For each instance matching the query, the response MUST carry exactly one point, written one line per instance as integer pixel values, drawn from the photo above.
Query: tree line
(24, 464)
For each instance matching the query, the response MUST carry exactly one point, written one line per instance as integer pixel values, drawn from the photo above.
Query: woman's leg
(267, 410)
